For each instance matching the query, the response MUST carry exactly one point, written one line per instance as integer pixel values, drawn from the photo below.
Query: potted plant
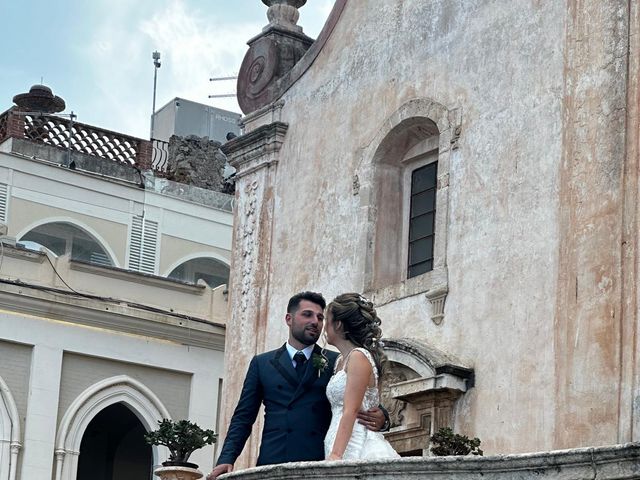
(445, 443)
(182, 438)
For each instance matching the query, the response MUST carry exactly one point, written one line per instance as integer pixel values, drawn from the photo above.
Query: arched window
(406, 166)
(212, 271)
(407, 172)
(62, 238)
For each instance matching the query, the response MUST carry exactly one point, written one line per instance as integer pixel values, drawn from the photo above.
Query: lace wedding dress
(364, 444)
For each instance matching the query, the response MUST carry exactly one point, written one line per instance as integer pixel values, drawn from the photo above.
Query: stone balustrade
(604, 463)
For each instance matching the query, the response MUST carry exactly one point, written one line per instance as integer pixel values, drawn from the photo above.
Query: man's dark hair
(294, 302)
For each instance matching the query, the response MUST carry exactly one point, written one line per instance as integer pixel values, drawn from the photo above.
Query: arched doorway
(120, 389)
(113, 447)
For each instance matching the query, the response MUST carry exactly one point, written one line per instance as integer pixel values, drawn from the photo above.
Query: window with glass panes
(422, 219)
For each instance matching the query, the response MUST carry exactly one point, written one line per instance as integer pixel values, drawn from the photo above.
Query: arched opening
(10, 437)
(63, 238)
(212, 271)
(419, 389)
(406, 170)
(120, 389)
(113, 447)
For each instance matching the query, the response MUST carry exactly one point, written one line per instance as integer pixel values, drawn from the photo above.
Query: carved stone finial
(284, 14)
(271, 55)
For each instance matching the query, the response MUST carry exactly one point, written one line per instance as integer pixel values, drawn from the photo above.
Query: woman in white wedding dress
(353, 327)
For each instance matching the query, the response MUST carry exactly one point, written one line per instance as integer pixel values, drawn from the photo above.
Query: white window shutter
(142, 245)
(3, 202)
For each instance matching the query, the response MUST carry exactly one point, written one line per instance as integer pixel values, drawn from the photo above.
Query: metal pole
(72, 117)
(156, 66)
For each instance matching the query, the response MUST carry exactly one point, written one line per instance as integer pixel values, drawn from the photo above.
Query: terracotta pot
(178, 473)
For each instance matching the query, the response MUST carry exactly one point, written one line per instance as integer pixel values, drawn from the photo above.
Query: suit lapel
(282, 363)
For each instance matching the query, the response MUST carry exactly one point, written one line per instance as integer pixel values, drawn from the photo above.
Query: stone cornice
(256, 149)
(138, 277)
(604, 463)
(24, 299)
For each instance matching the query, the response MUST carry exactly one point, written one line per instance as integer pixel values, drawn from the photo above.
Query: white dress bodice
(363, 442)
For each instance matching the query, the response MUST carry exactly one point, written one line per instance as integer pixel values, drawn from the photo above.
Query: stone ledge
(604, 463)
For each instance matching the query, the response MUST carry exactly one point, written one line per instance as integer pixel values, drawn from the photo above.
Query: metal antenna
(156, 64)
(220, 79)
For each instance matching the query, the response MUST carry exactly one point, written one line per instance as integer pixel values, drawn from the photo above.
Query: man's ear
(287, 318)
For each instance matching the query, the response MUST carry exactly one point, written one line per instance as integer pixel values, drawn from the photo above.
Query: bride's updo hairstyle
(360, 324)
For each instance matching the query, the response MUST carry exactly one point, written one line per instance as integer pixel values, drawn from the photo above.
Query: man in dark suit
(291, 383)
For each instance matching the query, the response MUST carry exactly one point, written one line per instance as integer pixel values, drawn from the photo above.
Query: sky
(96, 54)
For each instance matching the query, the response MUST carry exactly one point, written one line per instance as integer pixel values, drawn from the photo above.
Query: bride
(353, 327)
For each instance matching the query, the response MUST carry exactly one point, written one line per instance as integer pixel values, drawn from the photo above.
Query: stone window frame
(434, 284)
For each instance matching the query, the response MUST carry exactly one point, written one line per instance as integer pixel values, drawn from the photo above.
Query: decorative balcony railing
(160, 156)
(3, 125)
(66, 134)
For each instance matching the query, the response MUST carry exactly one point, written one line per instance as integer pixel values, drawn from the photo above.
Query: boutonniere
(319, 362)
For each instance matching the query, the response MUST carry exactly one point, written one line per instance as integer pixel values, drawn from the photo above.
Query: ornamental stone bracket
(420, 389)
(271, 55)
(437, 297)
(256, 149)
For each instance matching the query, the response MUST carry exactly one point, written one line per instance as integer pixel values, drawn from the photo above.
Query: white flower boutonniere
(320, 362)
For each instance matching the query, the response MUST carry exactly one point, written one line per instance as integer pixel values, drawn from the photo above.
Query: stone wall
(196, 161)
(537, 128)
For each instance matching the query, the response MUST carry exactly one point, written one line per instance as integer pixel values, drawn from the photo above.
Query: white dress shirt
(292, 351)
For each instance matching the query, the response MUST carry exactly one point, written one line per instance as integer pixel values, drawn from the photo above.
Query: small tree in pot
(182, 438)
(445, 443)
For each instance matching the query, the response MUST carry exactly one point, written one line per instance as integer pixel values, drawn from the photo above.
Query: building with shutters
(113, 298)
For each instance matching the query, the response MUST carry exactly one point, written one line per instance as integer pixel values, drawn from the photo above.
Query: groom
(291, 383)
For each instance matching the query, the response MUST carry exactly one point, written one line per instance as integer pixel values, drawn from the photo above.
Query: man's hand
(219, 470)
(373, 419)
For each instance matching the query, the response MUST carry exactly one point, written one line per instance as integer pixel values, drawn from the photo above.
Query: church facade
(472, 168)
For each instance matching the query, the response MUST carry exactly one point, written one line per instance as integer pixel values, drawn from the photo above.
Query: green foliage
(445, 443)
(182, 438)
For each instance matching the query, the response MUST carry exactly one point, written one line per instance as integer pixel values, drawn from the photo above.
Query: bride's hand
(333, 456)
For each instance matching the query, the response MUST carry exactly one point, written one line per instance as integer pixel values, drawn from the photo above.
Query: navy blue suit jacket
(297, 412)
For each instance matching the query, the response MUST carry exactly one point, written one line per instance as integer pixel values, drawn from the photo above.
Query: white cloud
(194, 45)
(195, 49)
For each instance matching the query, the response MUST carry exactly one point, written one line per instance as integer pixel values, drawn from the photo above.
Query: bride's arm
(358, 376)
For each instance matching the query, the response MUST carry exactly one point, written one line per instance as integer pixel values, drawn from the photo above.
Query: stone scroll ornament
(258, 71)
(271, 55)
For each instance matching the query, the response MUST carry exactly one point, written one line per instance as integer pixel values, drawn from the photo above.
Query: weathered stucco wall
(536, 216)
